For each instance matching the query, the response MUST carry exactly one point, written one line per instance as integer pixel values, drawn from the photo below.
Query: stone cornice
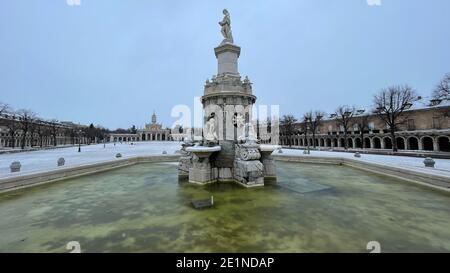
(227, 47)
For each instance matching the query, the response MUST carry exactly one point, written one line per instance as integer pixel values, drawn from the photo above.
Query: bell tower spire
(154, 117)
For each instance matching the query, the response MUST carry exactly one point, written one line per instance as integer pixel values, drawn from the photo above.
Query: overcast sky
(112, 62)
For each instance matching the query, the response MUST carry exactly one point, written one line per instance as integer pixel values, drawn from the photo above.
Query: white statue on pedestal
(238, 120)
(210, 128)
(226, 27)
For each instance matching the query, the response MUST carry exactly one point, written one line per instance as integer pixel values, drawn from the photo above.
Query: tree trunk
(394, 142)
(24, 139)
(363, 143)
(314, 140)
(345, 141)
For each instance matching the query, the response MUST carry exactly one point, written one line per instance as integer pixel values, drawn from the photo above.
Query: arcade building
(153, 131)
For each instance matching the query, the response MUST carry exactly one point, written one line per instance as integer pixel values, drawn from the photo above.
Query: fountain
(228, 149)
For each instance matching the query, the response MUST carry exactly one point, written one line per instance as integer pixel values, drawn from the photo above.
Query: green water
(143, 208)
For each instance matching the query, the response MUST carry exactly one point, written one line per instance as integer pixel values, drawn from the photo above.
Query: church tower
(154, 118)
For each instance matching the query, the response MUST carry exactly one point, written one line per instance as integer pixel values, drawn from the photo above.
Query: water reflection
(143, 208)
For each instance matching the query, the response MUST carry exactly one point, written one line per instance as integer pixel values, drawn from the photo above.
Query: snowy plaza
(46, 160)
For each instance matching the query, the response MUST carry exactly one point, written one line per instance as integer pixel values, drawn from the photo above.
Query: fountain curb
(39, 178)
(428, 180)
(55, 175)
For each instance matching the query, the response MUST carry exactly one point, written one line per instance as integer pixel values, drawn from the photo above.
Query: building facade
(40, 133)
(152, 131)
(426, 128)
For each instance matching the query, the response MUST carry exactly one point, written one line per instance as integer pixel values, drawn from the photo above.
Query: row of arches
(45, 141)
(144, 137)
(426, 143)
(125, 139)
(154, 137)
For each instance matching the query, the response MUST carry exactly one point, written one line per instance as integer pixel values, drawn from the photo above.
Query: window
(371, 125)
(436, 123)
(411, 125)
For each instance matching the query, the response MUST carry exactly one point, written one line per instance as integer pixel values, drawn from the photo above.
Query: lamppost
(307, 140)
(307, 120)
(80, 132)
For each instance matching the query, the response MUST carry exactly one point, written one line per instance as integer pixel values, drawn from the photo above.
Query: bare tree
(344, 115)
(54, 130)
(5, 120)
(312, 121)
(390, 104)
(33, 130)
(4, 108)
(362, 121)
(264, 129)
(71, 132)
(26, 120)
(42, 132)
(442, 90)
(13, 127)
(288, 122)
(304, 128)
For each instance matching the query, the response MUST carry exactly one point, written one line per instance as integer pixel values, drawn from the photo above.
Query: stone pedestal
(15, 166)
(270, 171)
(249, 173)
(227, 58)
(225, 174)
(201, 171)
(185, 162)
(202, 175)
(227, 103)
(269, 165)
(248, 170)
(184, 165)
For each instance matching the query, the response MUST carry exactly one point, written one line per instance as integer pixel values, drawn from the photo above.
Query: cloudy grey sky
(113, 62)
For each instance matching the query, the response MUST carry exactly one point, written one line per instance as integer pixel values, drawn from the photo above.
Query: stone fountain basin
(203, 151)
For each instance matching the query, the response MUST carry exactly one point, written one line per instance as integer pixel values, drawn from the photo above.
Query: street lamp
(307, 120)
(80, 132)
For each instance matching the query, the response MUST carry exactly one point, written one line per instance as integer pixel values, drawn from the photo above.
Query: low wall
(430, 180)
(410, 153)
(66, 172)
(61, 173)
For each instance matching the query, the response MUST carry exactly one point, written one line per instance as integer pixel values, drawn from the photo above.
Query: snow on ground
(442, 166)
(45, 160)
